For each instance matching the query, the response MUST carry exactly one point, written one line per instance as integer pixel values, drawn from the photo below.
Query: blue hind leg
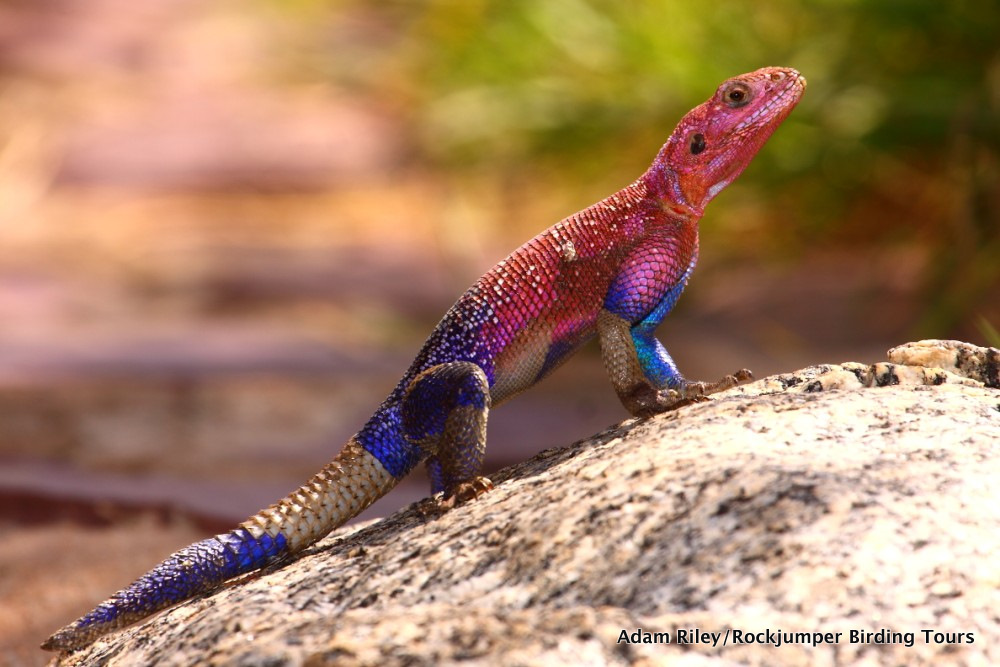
(436, 474)
(444, 412)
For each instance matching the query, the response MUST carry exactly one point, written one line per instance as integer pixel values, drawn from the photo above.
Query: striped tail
(334, 495)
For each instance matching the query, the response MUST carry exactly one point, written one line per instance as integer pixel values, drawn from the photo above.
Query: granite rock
(843, 497)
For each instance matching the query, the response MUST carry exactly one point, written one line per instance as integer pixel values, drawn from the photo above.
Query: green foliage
(989, 332)
(896, 142)
(500, 82)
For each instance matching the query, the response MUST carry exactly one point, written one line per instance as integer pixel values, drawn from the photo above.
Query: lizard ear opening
(697, 143)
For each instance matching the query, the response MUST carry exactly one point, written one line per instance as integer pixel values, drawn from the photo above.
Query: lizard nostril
(777, 76)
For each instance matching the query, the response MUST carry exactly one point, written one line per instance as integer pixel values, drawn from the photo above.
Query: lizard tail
(334, 495)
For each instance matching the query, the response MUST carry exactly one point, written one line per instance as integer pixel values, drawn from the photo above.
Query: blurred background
(226, 228)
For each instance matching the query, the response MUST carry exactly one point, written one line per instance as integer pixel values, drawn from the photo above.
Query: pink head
(715, 141)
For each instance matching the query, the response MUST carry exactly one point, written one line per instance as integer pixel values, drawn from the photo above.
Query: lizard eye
(697, 143)
(737, 94)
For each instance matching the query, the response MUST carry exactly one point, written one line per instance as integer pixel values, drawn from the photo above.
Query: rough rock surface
(839, 498)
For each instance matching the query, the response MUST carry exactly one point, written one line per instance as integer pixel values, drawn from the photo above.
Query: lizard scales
(613, 270)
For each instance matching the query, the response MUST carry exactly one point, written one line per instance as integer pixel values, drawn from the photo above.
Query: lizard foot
(691, 392)
(698, 392)
(466, 491)
(430, 507)
(741, 376)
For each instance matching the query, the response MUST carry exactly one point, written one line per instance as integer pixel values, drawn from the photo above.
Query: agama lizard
(614, 270)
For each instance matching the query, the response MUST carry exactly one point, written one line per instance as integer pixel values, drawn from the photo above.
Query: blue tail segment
(191, 571)
(251, 553)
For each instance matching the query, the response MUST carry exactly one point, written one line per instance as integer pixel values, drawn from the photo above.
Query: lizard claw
(463, 492)
(430, 507)
(726, 382)
(699, 392)
(741, 376)
(671, 399)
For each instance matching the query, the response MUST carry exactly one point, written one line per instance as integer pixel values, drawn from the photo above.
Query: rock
(840, 499)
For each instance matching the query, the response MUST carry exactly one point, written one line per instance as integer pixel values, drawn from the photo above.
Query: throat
(679, 210)
(717, 188)
(664, 184)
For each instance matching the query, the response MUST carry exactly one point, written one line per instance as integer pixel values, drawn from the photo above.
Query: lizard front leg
(646, 288)
(644, 376)
(444, 412)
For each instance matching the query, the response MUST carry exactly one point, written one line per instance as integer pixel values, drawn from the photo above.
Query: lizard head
(716, 140)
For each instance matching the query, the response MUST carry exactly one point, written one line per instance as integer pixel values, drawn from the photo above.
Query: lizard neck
(664, 184)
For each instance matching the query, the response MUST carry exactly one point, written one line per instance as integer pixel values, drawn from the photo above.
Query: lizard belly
(531, 355)
(535, 351)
